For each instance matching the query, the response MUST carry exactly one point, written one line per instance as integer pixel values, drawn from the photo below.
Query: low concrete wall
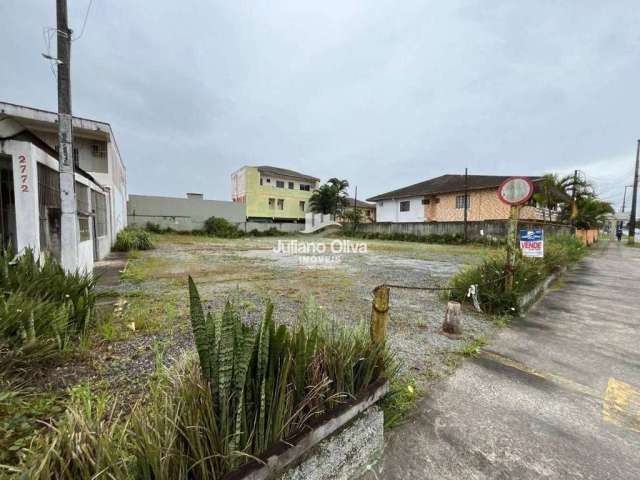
(183, 214)
(347, 453)
(476, 230)
(264, 226)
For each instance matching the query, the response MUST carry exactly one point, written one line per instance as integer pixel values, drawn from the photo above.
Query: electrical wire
(84, 22)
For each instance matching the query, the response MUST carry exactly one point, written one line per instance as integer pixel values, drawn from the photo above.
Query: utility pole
(573, 197)
(355, 210)
(624, 199)
(634, 199)
(69, 234)
(466, 200)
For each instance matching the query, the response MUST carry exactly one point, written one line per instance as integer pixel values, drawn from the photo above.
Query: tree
(552, 193)
(330, 198)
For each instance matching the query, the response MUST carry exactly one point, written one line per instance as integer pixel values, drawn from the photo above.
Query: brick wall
(483, 205)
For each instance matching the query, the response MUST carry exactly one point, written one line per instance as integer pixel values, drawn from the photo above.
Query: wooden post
(512, 246)
(452, 323)
(379, 314)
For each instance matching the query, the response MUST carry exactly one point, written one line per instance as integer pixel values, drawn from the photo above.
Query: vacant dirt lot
(154, 288)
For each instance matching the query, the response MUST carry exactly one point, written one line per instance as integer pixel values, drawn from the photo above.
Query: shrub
(156, 228)
(271, 232)
(560, 251)
(437, 238)
(220, 227)
(253, 387)
(42, 302)
(131, 238)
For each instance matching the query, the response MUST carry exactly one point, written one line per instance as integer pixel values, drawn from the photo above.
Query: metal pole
(624, 199)
(512, 245)
(634, 199)
(466, 200)
(69, 234)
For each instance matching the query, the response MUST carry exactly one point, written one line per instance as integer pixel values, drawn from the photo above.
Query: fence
(475, 230)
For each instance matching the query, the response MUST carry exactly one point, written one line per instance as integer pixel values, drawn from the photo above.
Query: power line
(84, 22)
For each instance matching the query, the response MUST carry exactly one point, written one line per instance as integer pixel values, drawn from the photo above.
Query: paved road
(555, 395)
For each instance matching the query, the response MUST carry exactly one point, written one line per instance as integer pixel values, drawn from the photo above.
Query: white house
(30, 191)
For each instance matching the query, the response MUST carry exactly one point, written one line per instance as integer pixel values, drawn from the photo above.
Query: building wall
(109, 171)
(483, 205)
(389, 210)
(182, 214)
(256, 196)
(25, 159)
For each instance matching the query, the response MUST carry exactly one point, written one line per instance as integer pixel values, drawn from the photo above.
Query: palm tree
(330, 197)
(552, 192)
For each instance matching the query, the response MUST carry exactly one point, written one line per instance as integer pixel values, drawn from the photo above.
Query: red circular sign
(515, 190)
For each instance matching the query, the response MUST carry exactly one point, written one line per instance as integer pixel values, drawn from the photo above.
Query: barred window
(460, 201)
(99, 202)
(82, 198)
(48, 187)
(99, 150)
(405, 206)
(83, 222)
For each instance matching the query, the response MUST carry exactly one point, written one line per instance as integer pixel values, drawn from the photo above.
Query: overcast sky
(382, 93)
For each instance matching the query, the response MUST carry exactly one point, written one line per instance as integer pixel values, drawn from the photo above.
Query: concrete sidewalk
(555, 395)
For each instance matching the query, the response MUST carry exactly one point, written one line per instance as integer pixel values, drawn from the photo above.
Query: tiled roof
(445, 184)
(361, 203)
(283, 172)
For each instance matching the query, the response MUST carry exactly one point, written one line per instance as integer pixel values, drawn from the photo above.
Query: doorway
(7, 203)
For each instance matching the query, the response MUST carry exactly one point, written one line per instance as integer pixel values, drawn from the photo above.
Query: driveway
(555, 395)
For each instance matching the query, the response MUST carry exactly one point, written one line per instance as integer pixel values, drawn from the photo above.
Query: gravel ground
(341, 283)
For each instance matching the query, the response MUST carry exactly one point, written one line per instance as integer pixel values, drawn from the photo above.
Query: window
(82, 198)
(305, 187)
(425, 201)
(268, 180)
(280, 204)
(290, 185)
(301, 206)
(83, 221)
(272, 203)
(261, 179)
(405, 206)
(76, 154)
(99, 150)
(460, 201)
(279, 183)
(99, 204)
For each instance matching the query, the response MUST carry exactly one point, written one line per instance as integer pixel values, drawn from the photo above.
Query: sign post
(514, 191)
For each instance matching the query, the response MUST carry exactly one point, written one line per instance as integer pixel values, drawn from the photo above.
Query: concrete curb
(526, 302)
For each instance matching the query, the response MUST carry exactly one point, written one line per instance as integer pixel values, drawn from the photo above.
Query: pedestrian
(619, 232)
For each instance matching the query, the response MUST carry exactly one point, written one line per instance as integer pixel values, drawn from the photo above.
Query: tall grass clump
(41, 303)
(248, 389)
(222, 228)
(131, 238)
(560, 251)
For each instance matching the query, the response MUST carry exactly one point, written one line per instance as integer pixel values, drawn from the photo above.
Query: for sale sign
(532, 243)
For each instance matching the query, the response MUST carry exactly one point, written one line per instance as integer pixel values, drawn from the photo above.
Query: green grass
(400, 401)
(473, 347)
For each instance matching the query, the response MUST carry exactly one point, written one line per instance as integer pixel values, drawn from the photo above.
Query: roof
(14, 110)
(446, 184)
(361, 204)
(27, 135)
(283, 172)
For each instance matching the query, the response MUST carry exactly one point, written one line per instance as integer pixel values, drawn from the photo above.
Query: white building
(29, 180)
